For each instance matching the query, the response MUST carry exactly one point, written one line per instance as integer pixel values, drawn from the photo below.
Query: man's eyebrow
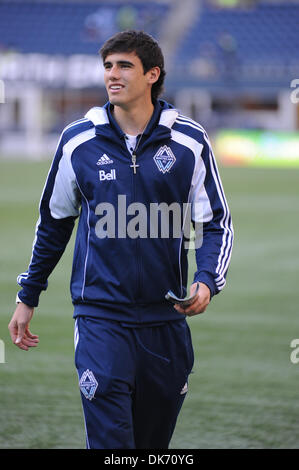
(119, 62)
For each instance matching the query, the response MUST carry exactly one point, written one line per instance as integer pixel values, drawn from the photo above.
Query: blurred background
(233, 66)
(230, 64)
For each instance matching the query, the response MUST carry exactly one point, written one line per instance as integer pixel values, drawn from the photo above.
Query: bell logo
(109, 175)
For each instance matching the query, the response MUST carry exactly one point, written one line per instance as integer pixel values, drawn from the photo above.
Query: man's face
(125, 80)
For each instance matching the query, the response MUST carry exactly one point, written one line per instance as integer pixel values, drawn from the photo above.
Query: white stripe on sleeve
(64, 201)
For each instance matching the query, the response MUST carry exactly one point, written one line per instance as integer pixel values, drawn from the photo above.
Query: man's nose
(114, 72)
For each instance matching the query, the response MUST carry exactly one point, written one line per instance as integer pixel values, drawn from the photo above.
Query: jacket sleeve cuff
(30, 298)
(208, 280)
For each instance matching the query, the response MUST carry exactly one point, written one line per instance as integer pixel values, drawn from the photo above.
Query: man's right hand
(19, 327)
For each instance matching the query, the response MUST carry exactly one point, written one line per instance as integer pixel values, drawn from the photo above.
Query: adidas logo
(104, 160)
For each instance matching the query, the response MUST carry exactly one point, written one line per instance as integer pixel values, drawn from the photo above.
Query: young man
(130, 170)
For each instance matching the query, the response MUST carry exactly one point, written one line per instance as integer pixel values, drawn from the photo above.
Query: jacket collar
(158, 128)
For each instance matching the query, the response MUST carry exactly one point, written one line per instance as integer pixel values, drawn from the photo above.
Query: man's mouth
(115, 87)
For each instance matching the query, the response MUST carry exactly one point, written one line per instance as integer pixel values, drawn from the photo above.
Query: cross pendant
(134, 165)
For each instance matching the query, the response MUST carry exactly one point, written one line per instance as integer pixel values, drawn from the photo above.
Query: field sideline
(244, 389)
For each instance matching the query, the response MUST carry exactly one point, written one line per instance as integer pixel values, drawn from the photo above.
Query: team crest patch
(88, 384)
(164, 159)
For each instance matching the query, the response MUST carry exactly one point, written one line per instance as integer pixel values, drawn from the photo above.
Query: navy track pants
(133, 381)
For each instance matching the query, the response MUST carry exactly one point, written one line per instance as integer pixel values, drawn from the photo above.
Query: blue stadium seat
(69, 28)
(264, 35)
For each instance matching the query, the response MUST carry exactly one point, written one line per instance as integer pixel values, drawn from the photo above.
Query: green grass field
(244, 389)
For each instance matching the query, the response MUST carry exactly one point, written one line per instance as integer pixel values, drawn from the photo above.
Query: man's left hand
(200, 303)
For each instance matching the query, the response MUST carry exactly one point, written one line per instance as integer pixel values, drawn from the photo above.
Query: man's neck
(133, 121)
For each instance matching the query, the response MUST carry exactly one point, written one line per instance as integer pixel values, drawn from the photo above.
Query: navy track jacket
(123, 266)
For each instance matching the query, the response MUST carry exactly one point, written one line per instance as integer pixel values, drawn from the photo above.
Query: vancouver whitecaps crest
(164, 159)
(88, 384)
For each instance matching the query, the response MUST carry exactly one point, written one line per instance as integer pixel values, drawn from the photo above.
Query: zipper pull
(134, 166)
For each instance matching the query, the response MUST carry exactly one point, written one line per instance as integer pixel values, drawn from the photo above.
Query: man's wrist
(208, 280)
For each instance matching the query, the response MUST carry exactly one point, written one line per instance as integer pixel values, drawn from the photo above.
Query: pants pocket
(189, 348)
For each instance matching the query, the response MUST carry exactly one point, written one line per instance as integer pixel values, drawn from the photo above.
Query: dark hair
(145, 47)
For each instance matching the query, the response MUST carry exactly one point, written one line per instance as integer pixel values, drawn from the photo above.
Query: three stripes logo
(104, 160)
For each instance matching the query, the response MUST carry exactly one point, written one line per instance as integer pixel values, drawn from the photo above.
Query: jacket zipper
(134, 167)
(137, 248)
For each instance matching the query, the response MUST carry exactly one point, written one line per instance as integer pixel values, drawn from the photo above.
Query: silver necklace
(134, 156)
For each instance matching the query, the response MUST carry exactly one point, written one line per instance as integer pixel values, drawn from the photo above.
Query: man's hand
(200, 303)
(19, 328)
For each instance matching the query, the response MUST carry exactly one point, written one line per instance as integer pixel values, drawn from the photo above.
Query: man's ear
(153, 75)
